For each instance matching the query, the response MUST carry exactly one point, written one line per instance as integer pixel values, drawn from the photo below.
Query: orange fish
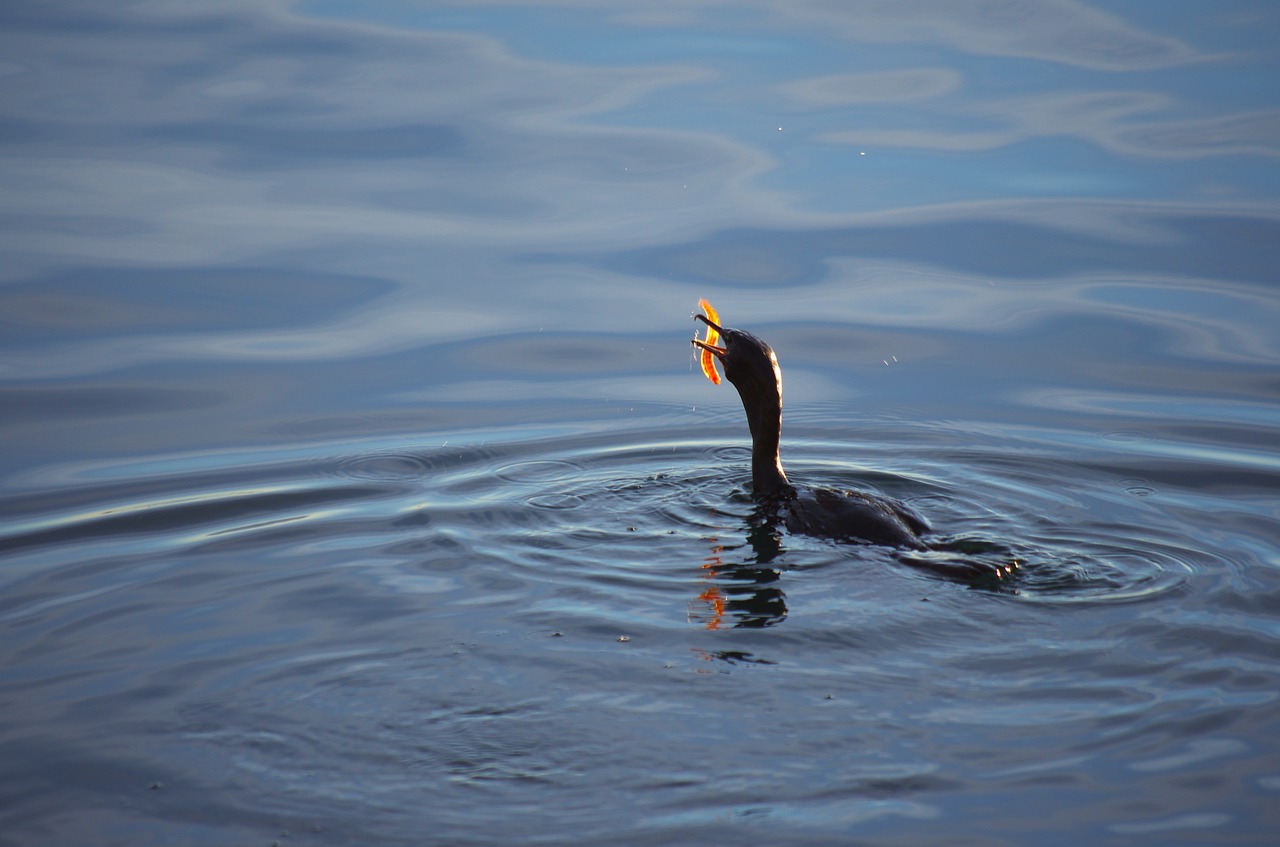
(708, 359)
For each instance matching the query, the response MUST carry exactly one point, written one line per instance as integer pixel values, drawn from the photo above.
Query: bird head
(748, 362)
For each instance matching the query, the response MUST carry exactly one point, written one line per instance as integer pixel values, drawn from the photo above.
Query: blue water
(358, 484)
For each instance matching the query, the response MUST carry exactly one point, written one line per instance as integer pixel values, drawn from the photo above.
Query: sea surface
(358, 483)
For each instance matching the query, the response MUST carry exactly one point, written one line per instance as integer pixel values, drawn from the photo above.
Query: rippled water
(358, 484)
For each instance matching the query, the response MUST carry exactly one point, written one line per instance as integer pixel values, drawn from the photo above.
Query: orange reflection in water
(708, 607)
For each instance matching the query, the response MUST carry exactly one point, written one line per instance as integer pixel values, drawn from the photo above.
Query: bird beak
(703, 318)
(710, 348)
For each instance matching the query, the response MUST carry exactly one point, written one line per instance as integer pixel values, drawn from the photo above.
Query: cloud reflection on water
(1111, 120)
(228, 134)
(1065, 31)
(237, 131)
(442, 162)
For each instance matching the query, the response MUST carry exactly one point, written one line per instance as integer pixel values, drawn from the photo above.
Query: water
(358, 484)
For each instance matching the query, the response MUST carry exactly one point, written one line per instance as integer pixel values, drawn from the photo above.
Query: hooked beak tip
(710, 348)
(714, 326)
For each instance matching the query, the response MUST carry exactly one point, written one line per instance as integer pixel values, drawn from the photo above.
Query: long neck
(767, 476)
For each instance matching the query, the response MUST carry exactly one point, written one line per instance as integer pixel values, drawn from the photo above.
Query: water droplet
(385, 466)
(1137, 486)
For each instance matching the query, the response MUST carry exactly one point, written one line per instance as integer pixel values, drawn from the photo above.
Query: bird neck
(767, 476)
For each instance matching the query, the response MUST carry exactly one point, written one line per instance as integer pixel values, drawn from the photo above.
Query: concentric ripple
(589, 517)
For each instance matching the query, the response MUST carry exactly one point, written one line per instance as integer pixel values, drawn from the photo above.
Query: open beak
(714, 326)
(719, 352)
(710, 352)
(711, 348)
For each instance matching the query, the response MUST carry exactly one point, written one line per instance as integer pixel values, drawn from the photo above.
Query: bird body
(851, 516)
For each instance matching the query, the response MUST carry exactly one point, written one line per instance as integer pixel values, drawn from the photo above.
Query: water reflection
(1180, 244)
(742, 594)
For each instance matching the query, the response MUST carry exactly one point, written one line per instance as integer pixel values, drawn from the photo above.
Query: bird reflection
(742, 594)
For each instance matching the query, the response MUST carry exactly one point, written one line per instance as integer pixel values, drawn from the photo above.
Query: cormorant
(750, 364)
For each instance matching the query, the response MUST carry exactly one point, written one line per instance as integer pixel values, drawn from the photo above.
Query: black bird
(750, 364)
